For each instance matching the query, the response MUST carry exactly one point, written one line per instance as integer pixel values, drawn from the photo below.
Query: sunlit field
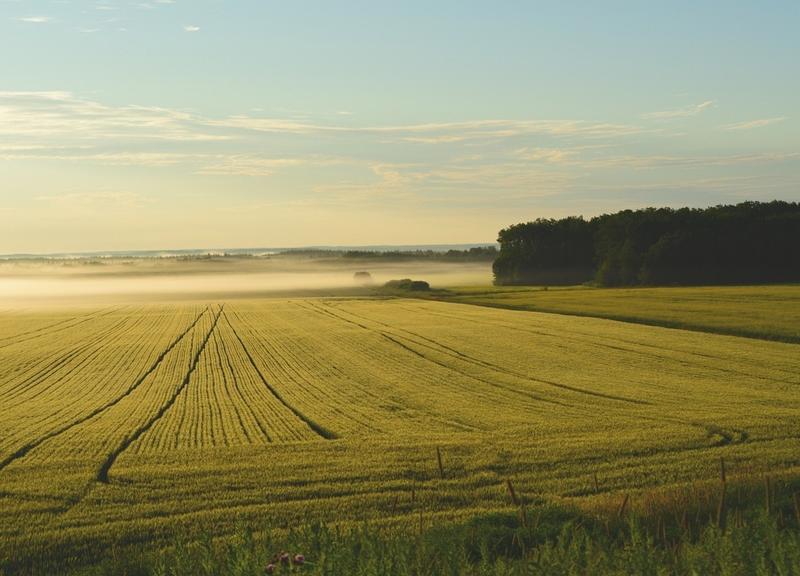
(123, 424)
(771, 311)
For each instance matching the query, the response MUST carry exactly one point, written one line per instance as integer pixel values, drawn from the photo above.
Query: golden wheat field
(123, 424)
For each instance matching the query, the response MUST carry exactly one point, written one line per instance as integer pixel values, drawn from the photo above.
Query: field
(124, 424)
(771, 312)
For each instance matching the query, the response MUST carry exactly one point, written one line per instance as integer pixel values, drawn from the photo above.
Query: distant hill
(262, 251)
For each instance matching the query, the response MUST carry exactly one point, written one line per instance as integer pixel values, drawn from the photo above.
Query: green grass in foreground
(769, 312)
(677, 533)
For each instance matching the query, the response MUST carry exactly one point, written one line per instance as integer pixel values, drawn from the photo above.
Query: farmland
(771, 312)
(123, 424)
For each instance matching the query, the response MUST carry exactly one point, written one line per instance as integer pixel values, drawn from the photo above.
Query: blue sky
(170, 124)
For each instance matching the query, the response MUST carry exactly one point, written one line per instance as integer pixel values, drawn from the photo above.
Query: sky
(256, 123)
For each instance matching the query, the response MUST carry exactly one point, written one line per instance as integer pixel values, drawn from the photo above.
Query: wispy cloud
(61, 118)
(211, 164)
(191, 28)
(50, 115)
(442, 184)
(105, 158)
(750, 124)
(336, 159)
(96, 199)
(548, 155)
(247, 165)
(35, 19)
(439, 132)
(661, 161)
(602, 157)
(684, 112)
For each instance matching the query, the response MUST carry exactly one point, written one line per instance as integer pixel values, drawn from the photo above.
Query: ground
(122, 424)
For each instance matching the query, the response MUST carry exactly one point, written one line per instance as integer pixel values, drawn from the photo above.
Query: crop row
(226, 403)
(141, 420)
(72, 380)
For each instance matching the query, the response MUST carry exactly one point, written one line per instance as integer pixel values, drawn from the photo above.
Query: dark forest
(751, 242)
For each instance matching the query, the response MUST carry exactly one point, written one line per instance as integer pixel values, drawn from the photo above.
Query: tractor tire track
(407, 348)
(47, 330)
(501, 369)
(55, 361)
(319, 430)
(31, 445)
(294, 368)
(223, 355)
(120, 360)
(584, 339)
(472, 376)
(32, 373)
(322, 311)
(726, 436)
(105, 467)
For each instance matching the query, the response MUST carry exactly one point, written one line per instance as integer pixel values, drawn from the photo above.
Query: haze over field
(88, 281)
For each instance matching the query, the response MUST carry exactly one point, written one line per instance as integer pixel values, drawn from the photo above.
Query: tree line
(474, 254)
(751, 242)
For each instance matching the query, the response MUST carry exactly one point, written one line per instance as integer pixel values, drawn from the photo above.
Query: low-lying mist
(89, 281)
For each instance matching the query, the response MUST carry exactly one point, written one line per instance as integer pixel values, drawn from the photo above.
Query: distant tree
(408, 284)
(363, 278)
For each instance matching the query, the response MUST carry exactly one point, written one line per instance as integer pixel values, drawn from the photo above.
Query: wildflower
(284, 557)
(299, 559)
(270, 569)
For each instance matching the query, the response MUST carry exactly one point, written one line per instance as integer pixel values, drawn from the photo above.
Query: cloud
(339, 161)
(246, 165)
(548, 155)
(658, 161)
(191, 28)
(101, 199)
(442, 139)
(593, 157)
(109, 159)
(35, 19)
(750, 124)
(685, 112)
(388, 184)
(439, 132)
(56, 114)
(58, 118)
(42, 149)
(205, 164)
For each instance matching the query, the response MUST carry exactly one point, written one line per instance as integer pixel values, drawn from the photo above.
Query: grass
(670, 532)
(123, 426)
(771, 312)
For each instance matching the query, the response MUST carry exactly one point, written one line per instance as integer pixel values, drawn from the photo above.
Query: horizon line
(132, 253)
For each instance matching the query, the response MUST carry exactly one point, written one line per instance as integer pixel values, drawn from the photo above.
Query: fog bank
(90, 281)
